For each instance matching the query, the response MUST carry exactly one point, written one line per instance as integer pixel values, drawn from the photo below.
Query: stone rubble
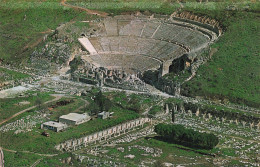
(24, 124)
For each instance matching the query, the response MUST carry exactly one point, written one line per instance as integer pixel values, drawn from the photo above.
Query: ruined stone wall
(202, 21)
(9, 83)
(190, 62)
(109, 77)
(75, 144)
(1, 158)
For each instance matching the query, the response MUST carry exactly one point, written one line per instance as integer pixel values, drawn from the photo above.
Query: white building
(74, 118)
(104, 115)
(55, 126)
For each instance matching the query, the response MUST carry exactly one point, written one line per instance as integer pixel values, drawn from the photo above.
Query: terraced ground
(140, 43)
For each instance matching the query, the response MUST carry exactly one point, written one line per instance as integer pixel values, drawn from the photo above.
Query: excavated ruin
(135, 44)
(119, 49)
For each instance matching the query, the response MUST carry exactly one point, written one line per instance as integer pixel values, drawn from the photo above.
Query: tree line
(101, 103)
(181, 135)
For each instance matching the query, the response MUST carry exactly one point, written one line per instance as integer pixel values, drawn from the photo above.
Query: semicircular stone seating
(136, 44)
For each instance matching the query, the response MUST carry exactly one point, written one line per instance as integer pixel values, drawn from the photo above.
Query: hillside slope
(233, 73)
(23, 25)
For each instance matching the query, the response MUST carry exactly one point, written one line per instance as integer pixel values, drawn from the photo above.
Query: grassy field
(24, 23)
(171, 153)
(9, 106)
(233, 73)
(136, 102)
(19, 159)
(35, 142)
(123, 6)
(6, 75)
(164, 7)
(74, 106)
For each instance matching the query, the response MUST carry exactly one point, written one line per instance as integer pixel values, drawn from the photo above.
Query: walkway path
(89, 11)
(45, 155)
(36, 163)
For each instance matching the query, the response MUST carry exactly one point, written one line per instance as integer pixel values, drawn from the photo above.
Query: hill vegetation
(23, 25)
(7, 75)
(233, 73)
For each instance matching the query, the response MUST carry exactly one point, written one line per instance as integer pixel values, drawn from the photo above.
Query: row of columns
(102, 135)
(209, 116)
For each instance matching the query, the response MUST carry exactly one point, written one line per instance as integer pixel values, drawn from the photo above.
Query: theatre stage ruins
(126, 46)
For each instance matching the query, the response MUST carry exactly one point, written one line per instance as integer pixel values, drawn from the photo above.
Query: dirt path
(63, 2)
(57, 97)
(39, 40)
(89, 11)
(36, 163)
(45, 155)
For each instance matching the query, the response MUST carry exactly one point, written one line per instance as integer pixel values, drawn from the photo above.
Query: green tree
(74, 64)
(179, 134)
(94, 109)
(103, 103)
(39, 103)
(137, 107)
(173, 116)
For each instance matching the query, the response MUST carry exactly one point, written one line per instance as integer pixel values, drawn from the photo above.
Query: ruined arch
(177, 65)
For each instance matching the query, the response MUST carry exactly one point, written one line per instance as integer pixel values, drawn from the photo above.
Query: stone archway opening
(177, 66)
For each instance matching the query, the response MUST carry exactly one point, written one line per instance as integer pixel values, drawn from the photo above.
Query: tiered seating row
(149, 29)
(137, 62)
(134, 28)
(132, 45)
(154, 29)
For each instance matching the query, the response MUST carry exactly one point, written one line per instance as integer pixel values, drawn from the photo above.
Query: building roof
(74, 116)
(54, 124)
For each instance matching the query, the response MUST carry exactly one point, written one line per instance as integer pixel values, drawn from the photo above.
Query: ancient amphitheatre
(129, 83)
(139, 43)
